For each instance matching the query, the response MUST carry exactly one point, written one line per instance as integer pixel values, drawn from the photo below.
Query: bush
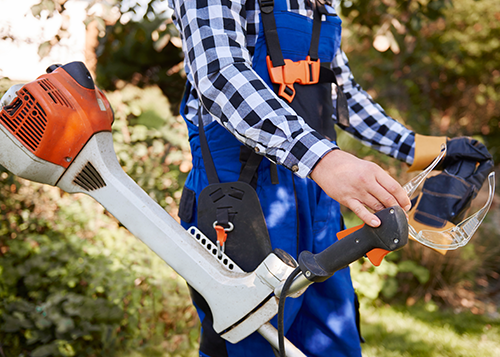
(151, 143)
(55, 297)
(75, 283)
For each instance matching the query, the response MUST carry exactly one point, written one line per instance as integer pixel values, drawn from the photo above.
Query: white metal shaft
(270, 333)
(230, 295)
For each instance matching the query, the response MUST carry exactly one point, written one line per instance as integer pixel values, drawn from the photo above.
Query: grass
(420, 331)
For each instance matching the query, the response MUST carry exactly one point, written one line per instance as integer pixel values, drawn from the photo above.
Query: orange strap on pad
(375, 255)
(221, 235)
(302, 72)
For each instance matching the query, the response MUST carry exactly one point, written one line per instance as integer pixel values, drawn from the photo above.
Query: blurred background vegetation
(73, 282)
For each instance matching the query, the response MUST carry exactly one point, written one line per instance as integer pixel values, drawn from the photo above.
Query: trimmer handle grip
(391, 235)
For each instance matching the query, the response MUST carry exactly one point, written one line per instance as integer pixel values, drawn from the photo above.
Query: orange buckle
(302, 72)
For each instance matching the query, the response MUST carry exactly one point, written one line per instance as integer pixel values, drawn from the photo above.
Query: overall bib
(299, 216)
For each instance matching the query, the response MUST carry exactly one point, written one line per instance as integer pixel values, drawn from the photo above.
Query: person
(230, 93)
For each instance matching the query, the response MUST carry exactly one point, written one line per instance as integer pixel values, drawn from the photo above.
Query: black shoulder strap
(247, 172)
(205, 152)
(316, 31)
(250, 168)
(271, 32)
(274, 50)
(326, 75)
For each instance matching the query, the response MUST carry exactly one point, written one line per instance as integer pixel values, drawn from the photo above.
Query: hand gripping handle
(391, 235)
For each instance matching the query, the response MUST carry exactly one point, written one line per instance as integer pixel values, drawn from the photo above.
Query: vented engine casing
(54, 116)
(51, 120)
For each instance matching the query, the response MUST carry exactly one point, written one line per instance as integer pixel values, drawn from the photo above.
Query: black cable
(281, 311)
(297, 218)
(275, 351)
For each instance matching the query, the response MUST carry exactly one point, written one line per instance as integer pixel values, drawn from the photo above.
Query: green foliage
(55, 298)
(441, 74)
(151, 143)
(75, 283)
(385, 281)
(412, 13)
(422, 330)
(72, 287)
(142, 53)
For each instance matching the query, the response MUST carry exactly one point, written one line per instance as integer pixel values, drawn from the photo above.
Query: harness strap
(326, 75)
(205, 152)
(250, 168)
(286, 72)
(223, 216)
(269, 26)
(274, 174)
(316, 30)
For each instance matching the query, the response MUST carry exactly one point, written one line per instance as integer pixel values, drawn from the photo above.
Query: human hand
(359, 184)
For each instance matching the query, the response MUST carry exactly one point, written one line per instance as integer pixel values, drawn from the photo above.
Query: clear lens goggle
(459, 235)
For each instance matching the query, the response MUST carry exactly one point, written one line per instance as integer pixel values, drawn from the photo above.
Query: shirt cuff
(305, 152)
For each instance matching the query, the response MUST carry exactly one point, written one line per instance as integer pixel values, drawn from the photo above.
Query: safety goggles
(454, 237)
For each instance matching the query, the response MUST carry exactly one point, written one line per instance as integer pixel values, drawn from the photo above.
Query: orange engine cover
(54, 116)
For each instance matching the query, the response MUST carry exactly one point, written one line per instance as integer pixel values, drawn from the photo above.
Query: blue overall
(299, 216)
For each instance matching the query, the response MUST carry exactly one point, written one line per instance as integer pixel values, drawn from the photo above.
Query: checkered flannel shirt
(218, 38)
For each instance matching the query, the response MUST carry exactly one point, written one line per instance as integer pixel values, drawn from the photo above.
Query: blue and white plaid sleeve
(218, 65)
(368, 121)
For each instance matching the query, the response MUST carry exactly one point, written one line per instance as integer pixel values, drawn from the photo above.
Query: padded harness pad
(248, 244)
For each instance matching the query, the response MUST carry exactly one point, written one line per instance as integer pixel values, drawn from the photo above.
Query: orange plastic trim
(302, 72)
(57, 116)
(348, 231)
(375, 255)
(221, 234)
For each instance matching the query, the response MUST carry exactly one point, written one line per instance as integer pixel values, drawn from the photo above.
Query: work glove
(9, 96)
(427, 148)
(446, 197)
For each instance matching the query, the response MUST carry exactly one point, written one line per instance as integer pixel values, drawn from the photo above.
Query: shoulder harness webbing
(309, 71)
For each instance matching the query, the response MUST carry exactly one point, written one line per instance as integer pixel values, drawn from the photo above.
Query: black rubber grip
(391, 235)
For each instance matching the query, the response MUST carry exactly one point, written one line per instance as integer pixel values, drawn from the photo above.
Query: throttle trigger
(377, 255)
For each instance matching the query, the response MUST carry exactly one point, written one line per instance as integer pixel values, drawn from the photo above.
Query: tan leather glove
(427, 148)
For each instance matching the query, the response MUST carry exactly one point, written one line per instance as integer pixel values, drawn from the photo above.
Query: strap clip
(266, 6)
(221, 237)
(302, 72)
